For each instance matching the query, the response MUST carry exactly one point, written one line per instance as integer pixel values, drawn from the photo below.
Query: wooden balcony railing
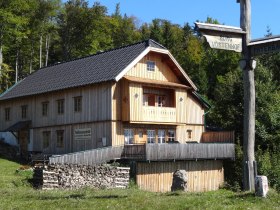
(159, 114)
(218, 137)
(149, 152)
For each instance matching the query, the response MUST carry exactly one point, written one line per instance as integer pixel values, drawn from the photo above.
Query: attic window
(151, 65)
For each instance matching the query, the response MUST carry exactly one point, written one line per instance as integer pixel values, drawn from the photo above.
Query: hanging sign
(265, 46)
(225, 42)
(221, 36)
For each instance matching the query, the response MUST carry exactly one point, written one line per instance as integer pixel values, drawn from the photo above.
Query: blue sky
(264, 13)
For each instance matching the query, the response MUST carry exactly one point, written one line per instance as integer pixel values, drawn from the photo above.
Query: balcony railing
(159, 114)
(190, 151)
(149, 152)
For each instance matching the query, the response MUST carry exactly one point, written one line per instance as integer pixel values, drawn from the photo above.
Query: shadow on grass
(243, 195)
(175, 193)
(109, 196)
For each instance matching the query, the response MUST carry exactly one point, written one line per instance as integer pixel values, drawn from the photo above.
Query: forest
(38, 33)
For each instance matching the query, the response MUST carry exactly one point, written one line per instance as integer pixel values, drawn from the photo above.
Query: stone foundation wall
(77, 176)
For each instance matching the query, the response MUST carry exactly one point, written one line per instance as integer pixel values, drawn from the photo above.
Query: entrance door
(23, 143)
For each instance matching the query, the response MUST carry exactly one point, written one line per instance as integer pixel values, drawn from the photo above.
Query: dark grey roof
(93, 69)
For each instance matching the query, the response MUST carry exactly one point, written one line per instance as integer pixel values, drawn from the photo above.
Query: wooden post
(249, 100)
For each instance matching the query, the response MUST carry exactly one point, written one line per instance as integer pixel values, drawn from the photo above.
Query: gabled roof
(107, 66)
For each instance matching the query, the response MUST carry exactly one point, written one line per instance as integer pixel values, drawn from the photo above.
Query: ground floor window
(60, 138)
(171, 135)
(161, 136)
(128, 136)
(151, 136)
(46, 139)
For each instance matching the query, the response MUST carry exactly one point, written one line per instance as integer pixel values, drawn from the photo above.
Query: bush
(269, 165)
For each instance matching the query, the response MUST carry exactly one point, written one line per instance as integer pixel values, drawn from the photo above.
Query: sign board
(82, 134)
(221, 36)
(265, 46)
(225, 42)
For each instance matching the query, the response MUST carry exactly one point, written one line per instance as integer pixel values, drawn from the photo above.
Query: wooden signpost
(239, 40)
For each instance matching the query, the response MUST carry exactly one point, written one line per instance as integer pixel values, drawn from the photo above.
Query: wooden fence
(191, 151)
(149, 152)
(89, 157)
(221, 136)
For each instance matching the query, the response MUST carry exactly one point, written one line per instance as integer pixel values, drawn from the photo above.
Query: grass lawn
(16, 193)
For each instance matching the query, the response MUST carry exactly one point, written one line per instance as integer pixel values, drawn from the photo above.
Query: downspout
(204, 117)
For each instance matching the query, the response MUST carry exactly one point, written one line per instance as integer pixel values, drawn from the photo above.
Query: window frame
(60, 138)
(24, 109)
(130, 136)
(150, 66)
(161, 138)
(46, 139)
(60, 106)
(45, 108)
(171, 138)
(151, 139)
(7, 114)
(78, 104)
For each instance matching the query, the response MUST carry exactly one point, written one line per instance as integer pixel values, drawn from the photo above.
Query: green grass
(16, 193)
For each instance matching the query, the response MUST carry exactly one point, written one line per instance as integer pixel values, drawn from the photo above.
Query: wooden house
(133, 95)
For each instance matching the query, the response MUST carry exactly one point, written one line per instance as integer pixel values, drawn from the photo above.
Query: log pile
(66, 176)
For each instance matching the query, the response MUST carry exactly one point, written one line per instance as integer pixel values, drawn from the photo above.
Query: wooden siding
(221, 136)
(202, 175)
(181, 105)
(162, 71)
(98, 131)
(96, 106)
(195, 111)
(183, 136)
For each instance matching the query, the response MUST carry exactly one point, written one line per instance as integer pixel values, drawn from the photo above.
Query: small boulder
(179, 180)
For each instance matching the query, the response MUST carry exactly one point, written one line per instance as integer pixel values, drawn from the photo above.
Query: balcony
(159, 114)
(190, 151)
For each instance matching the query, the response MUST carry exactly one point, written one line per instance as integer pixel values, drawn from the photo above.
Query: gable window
(7, 114)
(60, 106)
(45, 108)
(23, 111)
(128, 136)
(46, 139)
(189, 134)
(77, 104)
(151, 136)
(161, 136)
(171, 135)
(150, 65)
(60, 138)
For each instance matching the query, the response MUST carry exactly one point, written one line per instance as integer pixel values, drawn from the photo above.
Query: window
(60, 106)
(23, 111)
(45, 108)
(7, 114)
(161, 102)
(171, 135)
(151, 65)
(189, 134)
(161, 136)
(78, 104)
(128, 136)
(151, 136)
(60, 138)
(46, 139)
(148, 100)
